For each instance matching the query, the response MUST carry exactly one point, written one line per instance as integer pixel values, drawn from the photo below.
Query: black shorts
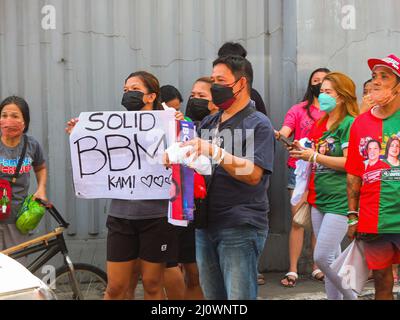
(186, 246)
(152, 240)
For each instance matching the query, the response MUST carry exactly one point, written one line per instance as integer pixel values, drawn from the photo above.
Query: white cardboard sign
(118, 155)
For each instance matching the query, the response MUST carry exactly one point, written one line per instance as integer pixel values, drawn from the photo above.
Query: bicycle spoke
(90, 284)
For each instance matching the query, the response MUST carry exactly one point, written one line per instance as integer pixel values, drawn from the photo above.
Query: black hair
(309, 96)
(205, 79)
(151, 83)
(240, 67)
(389, 143)
(366, 82)
(169, 93)
(22, 106)
(373, 141)
(232, 48)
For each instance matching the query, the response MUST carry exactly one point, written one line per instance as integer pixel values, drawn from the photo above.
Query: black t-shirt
(234, 203)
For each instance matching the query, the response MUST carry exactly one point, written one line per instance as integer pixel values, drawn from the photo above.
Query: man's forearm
(242, 169)
(353, 191)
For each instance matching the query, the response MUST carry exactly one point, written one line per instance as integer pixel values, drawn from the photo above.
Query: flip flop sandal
(315, 273)
(289, 278)
(260, 279)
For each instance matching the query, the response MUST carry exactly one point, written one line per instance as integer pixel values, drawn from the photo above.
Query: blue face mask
(326, 102)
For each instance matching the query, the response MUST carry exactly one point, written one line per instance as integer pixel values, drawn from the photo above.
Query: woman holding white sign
(139, 235)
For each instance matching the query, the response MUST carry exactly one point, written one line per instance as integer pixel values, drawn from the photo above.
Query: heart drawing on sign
(147, 181)
(168, 179)
(159, 181)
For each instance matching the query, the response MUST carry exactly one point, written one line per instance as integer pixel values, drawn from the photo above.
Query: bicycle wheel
(92, 282)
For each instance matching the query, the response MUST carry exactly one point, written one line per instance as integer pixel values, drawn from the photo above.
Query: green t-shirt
(328, 187)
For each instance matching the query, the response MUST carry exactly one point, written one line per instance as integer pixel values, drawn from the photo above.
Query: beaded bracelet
(352, 212)
(315, 157)
(352, 222)
(222, 156)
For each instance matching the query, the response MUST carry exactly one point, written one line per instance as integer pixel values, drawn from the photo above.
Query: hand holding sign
(71, 125)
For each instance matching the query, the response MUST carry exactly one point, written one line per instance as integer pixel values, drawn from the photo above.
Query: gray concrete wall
(82, 63)
(326, 37)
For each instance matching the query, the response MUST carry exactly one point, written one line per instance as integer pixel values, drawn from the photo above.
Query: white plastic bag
(352, 266)
(302, 172)
(177, 155)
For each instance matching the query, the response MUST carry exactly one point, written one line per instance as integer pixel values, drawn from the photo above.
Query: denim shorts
(291, 178)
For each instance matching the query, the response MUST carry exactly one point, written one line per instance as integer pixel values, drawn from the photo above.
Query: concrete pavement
(306, 289)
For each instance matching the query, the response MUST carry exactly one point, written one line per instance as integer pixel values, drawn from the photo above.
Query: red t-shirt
(373, 156)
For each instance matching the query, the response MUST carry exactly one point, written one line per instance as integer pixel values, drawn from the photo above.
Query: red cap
(391, 61)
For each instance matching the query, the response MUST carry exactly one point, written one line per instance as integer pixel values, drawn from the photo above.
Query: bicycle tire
(92, 282)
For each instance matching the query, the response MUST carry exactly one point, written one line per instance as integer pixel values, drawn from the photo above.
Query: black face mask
(197, 109)
(221, 93)
(133, 100)
(316, 89)
(223, 96)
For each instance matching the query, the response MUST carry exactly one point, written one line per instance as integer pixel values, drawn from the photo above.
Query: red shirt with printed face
(368, 159)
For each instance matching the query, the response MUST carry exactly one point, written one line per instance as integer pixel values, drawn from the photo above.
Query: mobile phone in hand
(286, 141)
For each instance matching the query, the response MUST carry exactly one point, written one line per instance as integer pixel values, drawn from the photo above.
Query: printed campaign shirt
(8, 163)
(327, 187)
(374, 156)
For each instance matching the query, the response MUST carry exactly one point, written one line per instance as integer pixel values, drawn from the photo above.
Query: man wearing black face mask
(240, 141)
(232, 48)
